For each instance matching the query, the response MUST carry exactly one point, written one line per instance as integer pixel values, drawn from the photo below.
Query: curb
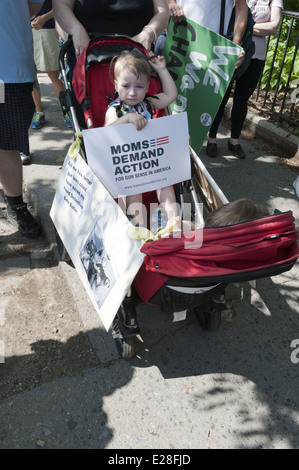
(285, 142)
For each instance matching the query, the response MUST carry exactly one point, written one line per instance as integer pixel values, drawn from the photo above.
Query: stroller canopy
(91, 81)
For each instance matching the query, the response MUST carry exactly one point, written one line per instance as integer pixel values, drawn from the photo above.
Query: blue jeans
(160, 43)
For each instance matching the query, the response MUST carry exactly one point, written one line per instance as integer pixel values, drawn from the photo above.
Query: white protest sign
(130, 162)
(93, 230)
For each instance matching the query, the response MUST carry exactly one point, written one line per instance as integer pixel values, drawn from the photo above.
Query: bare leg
(57, 87)
(36, 95)
(11, 178)
(11, 172)
(167, 200)
(56, 82)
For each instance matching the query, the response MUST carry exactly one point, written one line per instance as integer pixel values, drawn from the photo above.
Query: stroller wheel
(63, 254)
(209, 314)
(125, 347)
(124, 339)
(209, 321)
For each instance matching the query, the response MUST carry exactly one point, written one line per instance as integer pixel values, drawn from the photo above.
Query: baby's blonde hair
(235, 212)
(133, 61)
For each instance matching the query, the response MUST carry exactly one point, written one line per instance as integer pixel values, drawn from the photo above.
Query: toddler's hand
(157, 62)
(137, 119)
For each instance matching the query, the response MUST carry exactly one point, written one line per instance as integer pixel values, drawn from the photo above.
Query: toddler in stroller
(131, 76)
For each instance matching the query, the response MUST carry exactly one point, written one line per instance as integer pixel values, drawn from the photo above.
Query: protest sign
(130, 162)
(202, 64)
(93, 230)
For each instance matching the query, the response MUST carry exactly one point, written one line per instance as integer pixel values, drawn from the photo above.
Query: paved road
(63, 384)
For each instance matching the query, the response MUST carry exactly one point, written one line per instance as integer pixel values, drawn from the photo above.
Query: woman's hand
(240, 58)
(80, 40)
(38, 22)
(176, 12)
(146, 38)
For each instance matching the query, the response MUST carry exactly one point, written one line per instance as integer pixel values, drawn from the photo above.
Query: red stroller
(180, 274)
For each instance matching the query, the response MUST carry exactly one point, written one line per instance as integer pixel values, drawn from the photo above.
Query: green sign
(202, 64)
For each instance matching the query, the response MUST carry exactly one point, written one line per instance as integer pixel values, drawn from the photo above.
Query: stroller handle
(66, 99)
(63, 50)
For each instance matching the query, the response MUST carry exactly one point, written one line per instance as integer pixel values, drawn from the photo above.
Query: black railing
(281, 101)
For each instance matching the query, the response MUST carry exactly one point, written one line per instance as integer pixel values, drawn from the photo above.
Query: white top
(261, 10)
(207, 12)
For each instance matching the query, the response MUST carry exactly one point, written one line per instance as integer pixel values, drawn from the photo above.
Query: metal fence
(282, 101)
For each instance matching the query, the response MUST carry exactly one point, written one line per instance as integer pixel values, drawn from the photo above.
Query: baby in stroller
(236, 212)
(131, 73)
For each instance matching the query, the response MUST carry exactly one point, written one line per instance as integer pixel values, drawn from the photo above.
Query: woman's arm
(240, 21)
(64, 15)
(271, 26)
(240, 26)
(155, 26)
(39, 21)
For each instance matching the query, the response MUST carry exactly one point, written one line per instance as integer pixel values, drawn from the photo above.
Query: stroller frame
(202, 186)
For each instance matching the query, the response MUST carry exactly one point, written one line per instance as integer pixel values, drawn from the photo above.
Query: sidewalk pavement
(186, 388)
(287, 144)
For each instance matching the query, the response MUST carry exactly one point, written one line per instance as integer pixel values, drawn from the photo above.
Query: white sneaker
(25, 158)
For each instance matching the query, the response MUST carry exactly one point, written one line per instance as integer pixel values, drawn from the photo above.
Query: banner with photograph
(93, 230)
(130, 162)
(202, 64)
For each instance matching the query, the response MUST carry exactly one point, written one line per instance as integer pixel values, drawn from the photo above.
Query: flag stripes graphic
(162, 140)
(159, 141)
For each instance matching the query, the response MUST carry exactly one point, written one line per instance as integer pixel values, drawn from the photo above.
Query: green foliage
(279, 58)
(291, 5)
